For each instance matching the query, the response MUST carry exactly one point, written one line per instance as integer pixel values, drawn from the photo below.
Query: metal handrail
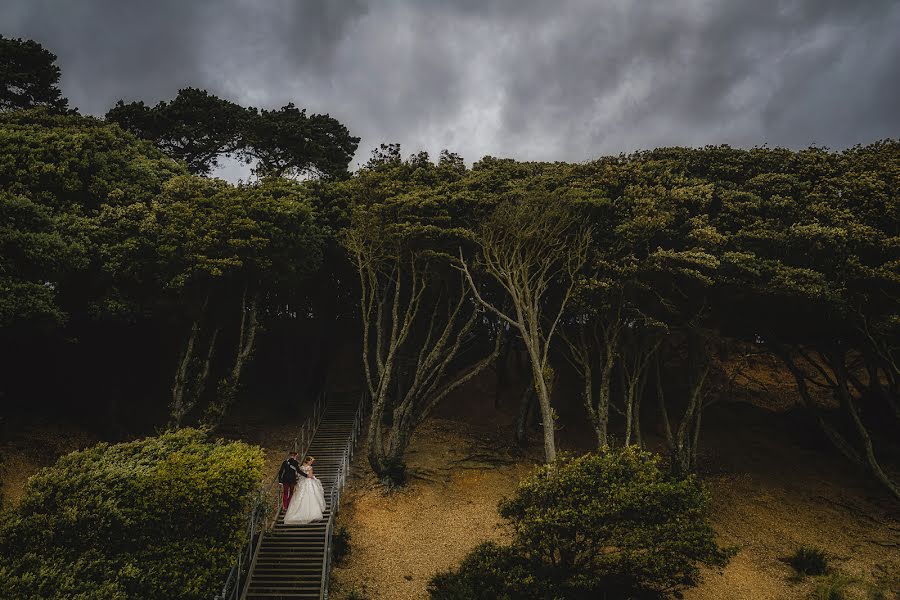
(336, 496)
(257, 522)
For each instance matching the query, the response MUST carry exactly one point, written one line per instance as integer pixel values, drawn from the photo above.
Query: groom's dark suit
(287, 477)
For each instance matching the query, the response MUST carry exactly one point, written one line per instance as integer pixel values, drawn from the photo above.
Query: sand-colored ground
(401, 538)
(769, 497)
(27, 448)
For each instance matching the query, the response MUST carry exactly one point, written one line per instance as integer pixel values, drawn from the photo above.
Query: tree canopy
(199, 129)
(29, 76)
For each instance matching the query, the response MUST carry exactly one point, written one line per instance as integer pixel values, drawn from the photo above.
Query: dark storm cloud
(529, 79)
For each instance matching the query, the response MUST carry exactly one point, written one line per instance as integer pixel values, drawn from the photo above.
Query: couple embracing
(302, 495)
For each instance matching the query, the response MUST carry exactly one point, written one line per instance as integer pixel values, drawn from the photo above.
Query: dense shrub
(833, 587)
(155, 518)
(809, 561)
(492, 572)
(606, 525)
(340, 544)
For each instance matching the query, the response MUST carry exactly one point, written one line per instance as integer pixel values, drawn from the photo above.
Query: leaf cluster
(154, 518)
(199, 128)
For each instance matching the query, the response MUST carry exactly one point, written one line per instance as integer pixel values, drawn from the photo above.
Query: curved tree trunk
(847, 400)
(183, 398)
(246, 343)
(840, 443)
(542, 391)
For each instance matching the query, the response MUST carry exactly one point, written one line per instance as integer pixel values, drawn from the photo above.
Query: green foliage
(58, 175)
(287, 142)
(98, 227)
(492, 572)
(29, 76)
(357, 594)
(833, 587)
(104, 237)
(340, 544)
(206, 230)
(808, 560)
(200, 128)
(196, 127)
(155, 518)
(608, 523)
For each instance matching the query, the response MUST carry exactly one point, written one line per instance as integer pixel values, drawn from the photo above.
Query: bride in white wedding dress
(308, 500)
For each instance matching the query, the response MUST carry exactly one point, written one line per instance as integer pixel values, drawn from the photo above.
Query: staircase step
(289, 558)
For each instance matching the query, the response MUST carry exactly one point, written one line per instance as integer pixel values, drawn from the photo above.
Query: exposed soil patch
(401, 538)
(27, 448)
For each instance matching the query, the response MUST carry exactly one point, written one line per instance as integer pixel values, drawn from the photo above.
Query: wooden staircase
(293, 561)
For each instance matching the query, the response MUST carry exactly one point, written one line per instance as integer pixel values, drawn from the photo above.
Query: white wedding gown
(307, 502)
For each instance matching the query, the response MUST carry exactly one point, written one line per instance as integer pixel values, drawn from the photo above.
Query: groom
(287, 477)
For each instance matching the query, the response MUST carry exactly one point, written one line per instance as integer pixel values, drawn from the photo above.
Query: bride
(308, 500)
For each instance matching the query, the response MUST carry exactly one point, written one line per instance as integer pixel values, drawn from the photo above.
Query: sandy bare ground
(27, 448)
(768, 499)
(401, 538)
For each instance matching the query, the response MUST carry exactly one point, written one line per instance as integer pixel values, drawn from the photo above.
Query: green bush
(833, 587)
(357, 594)
(808, 560)
(492, 572)
(606, 525)
(340, 544)
(156, 518)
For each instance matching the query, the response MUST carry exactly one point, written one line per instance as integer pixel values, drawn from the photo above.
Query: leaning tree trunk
(582, 357)
(847, 400)
(688, 435)
(180, 405)
(840, 443)
(683, 441)
(542, 390)
(246, 343)
(633, 368)
(183, 399)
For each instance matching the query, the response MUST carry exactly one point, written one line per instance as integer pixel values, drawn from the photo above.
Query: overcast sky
(528, 79)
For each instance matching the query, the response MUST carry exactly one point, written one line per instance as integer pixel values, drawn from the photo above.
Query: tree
(529, 247)
(418, 322)
(814, 265)
(199, 128)
(65, 294)
(32, 253)
(231, 254)
(288, 143)
(29, 77)
(196, 127)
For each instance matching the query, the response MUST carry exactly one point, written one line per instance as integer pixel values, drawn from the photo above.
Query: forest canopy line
(199, 128)
(148, 288)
